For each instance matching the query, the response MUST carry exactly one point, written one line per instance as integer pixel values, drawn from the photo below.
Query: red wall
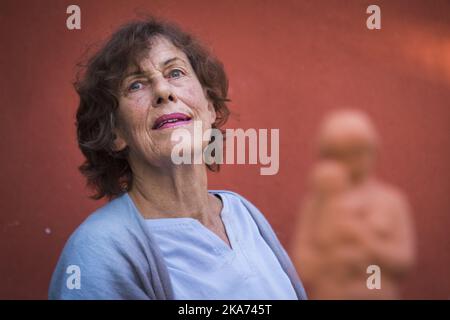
(289, 62)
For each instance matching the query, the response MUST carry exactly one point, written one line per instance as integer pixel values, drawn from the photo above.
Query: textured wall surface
(289, 63)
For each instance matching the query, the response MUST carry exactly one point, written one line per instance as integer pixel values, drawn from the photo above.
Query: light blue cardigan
(115, 236)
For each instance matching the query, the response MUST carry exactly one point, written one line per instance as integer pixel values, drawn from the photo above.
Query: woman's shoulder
(110, 219)
(101, 248)
(105, 231)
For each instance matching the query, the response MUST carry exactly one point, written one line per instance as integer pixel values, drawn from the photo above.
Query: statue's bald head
(349, 136)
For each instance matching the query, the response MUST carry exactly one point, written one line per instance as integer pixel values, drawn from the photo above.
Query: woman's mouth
(171, 120)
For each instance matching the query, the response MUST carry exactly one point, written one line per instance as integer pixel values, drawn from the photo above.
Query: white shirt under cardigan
(115, 254)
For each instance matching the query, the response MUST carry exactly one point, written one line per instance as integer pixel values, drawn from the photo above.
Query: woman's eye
(135, 86)
(175, 73)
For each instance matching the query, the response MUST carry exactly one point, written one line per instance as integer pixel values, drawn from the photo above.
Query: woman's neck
(174, 192)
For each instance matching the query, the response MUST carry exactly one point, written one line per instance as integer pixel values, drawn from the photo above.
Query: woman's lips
(171, 120)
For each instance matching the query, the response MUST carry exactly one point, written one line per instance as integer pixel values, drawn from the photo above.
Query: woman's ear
(119, 141)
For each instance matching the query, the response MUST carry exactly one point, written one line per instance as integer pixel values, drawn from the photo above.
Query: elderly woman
(163, 234)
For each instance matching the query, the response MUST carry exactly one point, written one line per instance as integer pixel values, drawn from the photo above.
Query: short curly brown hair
(98, 86)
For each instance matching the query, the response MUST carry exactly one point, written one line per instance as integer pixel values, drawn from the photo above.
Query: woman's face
(166, 85)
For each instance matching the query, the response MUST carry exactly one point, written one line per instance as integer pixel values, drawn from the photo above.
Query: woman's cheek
(134, 117)
(141, 100)
(194, 93)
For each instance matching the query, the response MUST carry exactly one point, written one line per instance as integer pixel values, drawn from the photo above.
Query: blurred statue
(350, 220)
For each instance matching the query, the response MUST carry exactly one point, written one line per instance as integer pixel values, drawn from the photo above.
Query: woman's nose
(163, 94)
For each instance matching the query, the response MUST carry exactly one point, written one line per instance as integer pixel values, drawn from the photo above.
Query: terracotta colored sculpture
(350, 220)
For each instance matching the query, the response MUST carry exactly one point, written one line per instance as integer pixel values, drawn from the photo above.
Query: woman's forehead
(161, 51)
